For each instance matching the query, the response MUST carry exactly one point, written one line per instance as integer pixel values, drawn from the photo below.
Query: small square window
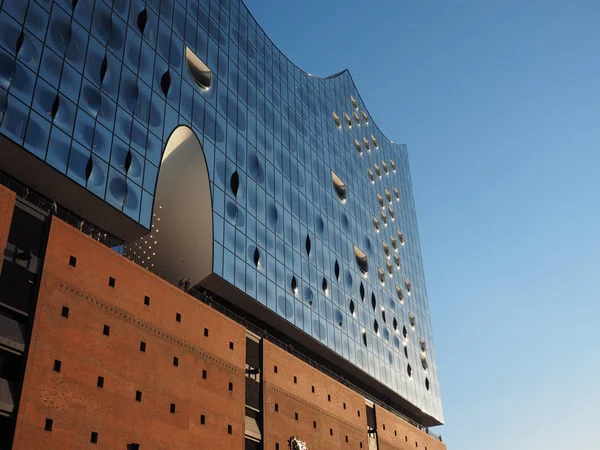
(275, 369)
(328, 397)
(229, 429)
(230, 386)
(94, 438)
(314, 424)
(57, 365)
(65, 311)
(100, 382)
(204, 374)
(111, 282)
(313, 389)
(172, 408)
(138, 396)
(296, 416)
(202, 419)
(276, 407)
(175, 361)
(146, 300)
(178, 317)
(295, 379)
(206, 332)
(48, 425)
(331, 432)
(230, 345)
(72, 261)
(106, 330)
(142, 346)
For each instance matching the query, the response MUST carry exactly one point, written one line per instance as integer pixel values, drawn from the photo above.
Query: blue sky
(499, 103)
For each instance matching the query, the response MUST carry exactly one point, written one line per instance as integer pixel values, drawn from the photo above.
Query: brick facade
(396, 434)
(7, 206)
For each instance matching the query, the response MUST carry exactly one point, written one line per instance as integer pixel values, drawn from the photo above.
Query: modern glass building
(176, 132)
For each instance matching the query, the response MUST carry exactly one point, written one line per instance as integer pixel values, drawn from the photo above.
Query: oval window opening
(383, 315)
(339, 186)
(393, 165)
(308, 245)
(363, 265)
(390, 269)
(377, 170)
(388, 196)
(380, 198)
(376, 327)
(294, 285)
(381, 275)
(336, 269)
(373, 301)
(394, 242)
(385, 167)
(386, 249)
(411, 317)
(395, 324)
(234, 183)
(409, 370)
(352, 307)
(200, 71)
(324, 285)
(362, 291)
(427, 384)
(256, 257)
(376, 224)
(397, 260)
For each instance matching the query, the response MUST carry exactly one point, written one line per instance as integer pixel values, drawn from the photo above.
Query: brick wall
(7, 206)
(71, 397)
(325, 406)
(396, 434)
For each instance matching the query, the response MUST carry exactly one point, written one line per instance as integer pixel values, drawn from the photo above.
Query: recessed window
(172, 408)
(423, 345)
(358, 412)
(346, 439)
(314, 424)
(384, 218)
(377, 170)
(386, 249)
(380, 200)
(424, 362)
(200, 72)
(296, 415)
(348, 120)
(276, 407)
(412, 320)
(371, 176)
(308, 245)
(111, 282)
(202, 419)
(393, 165)
(376, 327)
(391, 213)
(175, 361)
(73, 261)
(389, 268)
(364, 337)
(361, 261)
(344, 405)
(384, 166)
(328, 397)
(294, 285)
(339, 186)
(275, 369)
(400, 237)
(94, 437)
(231, 386)
(48, 425)
(374, 140)
(142, 346)
(381, 275)
(394, 242)
(146, 300)
(313, 389)
(336, 271)
(178, 317)
(383, 315)
(229, 429)
(400, 294)
(354, 102)
(395, 324)
(106, 330)
(204, 374)
(362, 291)
(324, 286)
(405, 350)
(57, 365)
(65, 312)
(397, 261)
(388, 196)
(331, 432)
(376, 224)
(365, 117)
(295, 379)
(138, 396)
(336, 119)
(396, 193)
(366, 144)
(230, 345)
(206, 332)
(408, 286)
(357, 146)
(356, 118)
(352, 307)
(234, 183)
(373, 301)
(404, 332)
(100, 382)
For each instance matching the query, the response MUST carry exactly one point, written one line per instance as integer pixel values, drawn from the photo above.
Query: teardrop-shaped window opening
(380, 199)
(364, 336)
(371, 176)
(404, 332)
(384, 218)
(366, 143)
(324, 285)
(339, 186)
(388, 196)
(348, 120)
(352, 307)
(424, 362)
(142, 19)
(356, 118)
(400, 237)
(405, 350)
(397, 193)
(376, 327)
(363, 265)
(165, 82)
(362, 291)
(357, 145)
(385, 167)
(374, 140)
(422, 344)
(103, 69)
(256, 257)
(408, 287)
(234, 183)
(336, 120)
(88, 168)
(55, 106)
(19, 43)
(377, 170)
(128, 160)
(354, 102)
(409, 370)
(383, 315)
(336, 270)
(376, 224)
(386, 249)
(394, 242)
(365, 117)
(294, 285)
(373, 301)
(390, 269)
(412, 320)
(393, 165)
(199, 70)
(391, 213)
(395, 324)
(400, 294)
(307, 245)
(381, 274)
(397, 261)
(427, 384)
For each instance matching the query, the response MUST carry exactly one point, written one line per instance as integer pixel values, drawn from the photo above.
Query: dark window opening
(111, 282)
(73, 261)
(314, 424)
(65, 312)
(142, 346)
(178, 317)
(296, 416)
(230, 345)
(295, 379)
(57, 365)
(344, 405)
(276, 407)
(275, 369)
(313, 389)
(230, 386)
(328, 397)
(331, 432)
(229, 429)
(100, 382)
(94, 438)
(204, 374)
(202, 419)
(175, 361)
(106, 330)
(172, 409)
(147, 300)
(138, 396)
(206, 332)
(48, 425)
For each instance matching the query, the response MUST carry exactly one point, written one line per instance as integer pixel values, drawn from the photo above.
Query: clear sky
(499, 104)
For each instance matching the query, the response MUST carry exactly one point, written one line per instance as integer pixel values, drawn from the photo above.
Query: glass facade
(313, 211)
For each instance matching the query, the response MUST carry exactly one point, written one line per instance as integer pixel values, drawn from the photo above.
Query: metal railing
(207, 299)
